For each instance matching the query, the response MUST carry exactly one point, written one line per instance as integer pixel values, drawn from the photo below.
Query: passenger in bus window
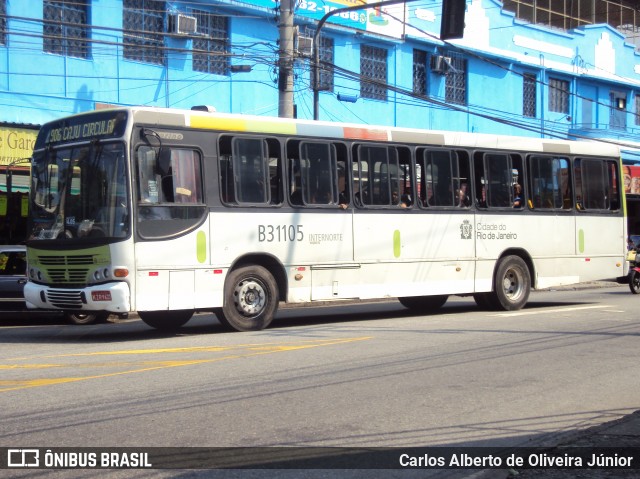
(463, 197)
(343, 197)
(395, 200)
(406, 197)
(517, 196)
(482, 197)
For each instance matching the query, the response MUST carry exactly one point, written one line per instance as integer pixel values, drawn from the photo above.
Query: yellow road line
(250, 350)
(258, 346)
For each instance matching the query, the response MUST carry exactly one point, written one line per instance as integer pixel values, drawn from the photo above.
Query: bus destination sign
(100, 125)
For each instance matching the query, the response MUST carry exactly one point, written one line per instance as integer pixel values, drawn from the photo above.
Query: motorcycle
(634, 271)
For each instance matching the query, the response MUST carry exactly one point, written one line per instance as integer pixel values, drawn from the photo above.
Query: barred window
(326, 64)
(373, 72)
(419, 72)
(3, 22)
(456, 80)
(211, 50)
(143, 25)
(558, 95)
(529, 85)
(65, 29)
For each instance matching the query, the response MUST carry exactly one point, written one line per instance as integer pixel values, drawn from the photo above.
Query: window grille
(456, 80)
(143, 25)
(637, 116)
(419, 72)
(373, 72)
(326, 64)
(558, 95)
(65, 28)
(211, 50)
(3, 22)
(529, 87)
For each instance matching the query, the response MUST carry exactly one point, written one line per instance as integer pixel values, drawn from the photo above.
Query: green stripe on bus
(201, 246)
(396, 243)
(581, 241)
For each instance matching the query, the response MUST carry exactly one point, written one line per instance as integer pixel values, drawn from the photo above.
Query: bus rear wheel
(250, 299)
(424, 303)
(86, 318)
(166, 320)
(512, 284)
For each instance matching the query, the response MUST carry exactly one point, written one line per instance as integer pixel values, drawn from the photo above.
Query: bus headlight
(35, 274)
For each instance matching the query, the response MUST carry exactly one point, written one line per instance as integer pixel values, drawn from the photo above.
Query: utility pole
(285, 74)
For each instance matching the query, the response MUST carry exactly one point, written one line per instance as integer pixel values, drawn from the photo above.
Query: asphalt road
(366, 375)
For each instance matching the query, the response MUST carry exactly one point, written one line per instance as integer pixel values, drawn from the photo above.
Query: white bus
(168, 212)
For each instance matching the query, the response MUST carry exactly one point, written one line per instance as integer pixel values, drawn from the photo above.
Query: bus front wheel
(166, 320)
(512, 284)
(86, 318)
(250, 299)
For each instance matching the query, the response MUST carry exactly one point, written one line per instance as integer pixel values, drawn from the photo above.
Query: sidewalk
(623, 432)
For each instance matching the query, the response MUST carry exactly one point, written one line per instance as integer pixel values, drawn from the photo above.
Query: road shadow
(53, 328)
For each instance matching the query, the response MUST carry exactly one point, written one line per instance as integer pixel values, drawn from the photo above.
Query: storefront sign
(16, 144)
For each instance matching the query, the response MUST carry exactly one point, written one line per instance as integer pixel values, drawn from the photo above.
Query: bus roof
(177, 118)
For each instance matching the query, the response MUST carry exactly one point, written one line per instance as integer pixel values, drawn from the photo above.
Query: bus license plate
(101, 295)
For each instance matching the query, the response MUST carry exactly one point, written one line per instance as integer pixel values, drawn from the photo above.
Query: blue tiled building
(507, 74)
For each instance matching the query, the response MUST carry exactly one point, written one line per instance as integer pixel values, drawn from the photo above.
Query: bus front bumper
(113, 297)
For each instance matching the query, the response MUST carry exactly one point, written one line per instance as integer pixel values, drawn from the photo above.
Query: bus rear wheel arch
(251, 299)
(166, 320)
(424, 303)
(511, 284)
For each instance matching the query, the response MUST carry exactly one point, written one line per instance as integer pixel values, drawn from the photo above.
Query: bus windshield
(79, 192)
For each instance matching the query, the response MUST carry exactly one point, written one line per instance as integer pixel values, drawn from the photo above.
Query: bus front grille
(71, 260)
(68, 276)
(65, 299)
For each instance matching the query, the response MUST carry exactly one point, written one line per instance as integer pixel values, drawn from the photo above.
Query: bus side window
(249, 165)
(225, 168)
(498, 179)
(317, 174)
(597, 184)
(148, 188)
(403, 179)
(443, 178)
(518, 199)
(378, 174)
(549, 183)
(250, 171)
(226, 179)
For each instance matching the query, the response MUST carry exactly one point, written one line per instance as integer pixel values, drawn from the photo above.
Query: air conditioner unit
(180, 24)
(440, 64)
(305, 45)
